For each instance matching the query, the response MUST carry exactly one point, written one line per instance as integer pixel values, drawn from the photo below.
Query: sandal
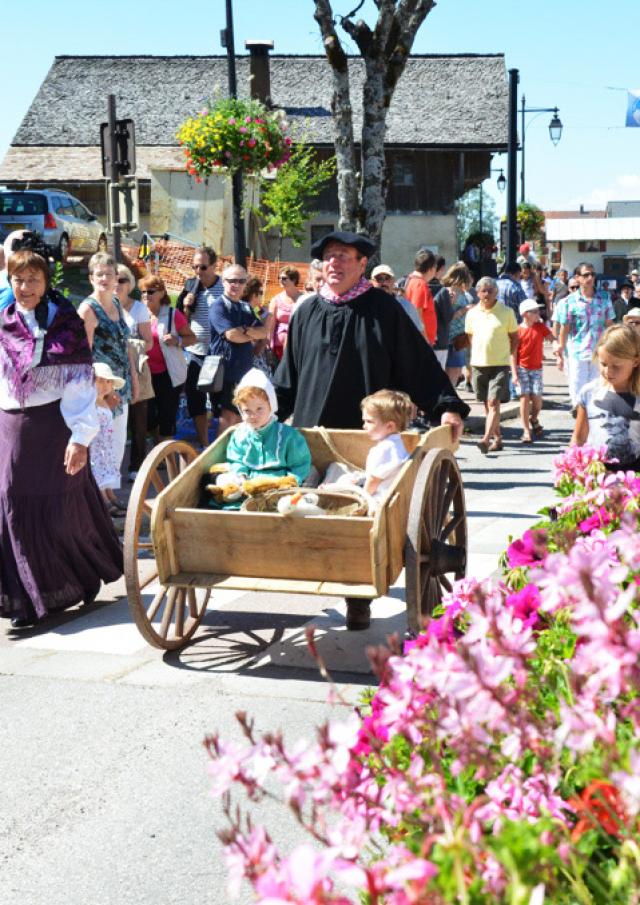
(495, 444)
(483, 446)
(117, 511)
(537, 428)
(526, 439)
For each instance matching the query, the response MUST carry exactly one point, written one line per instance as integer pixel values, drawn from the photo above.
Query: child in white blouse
(102, 449)
(384, 415)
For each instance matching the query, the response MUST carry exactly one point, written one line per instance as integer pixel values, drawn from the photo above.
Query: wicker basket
(345, 502)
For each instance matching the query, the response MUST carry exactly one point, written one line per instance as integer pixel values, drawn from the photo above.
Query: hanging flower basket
(233, 135)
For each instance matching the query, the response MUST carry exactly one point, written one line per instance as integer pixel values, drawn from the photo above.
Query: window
(19, 203)
(320, 230)
(403, 172)
(591, 246)
(80, 211)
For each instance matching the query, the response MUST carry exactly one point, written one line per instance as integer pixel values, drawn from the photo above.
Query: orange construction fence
(172, 262)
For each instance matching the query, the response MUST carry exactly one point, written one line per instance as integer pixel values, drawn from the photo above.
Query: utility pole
(512, 167)
(114, 178)
(239, 244)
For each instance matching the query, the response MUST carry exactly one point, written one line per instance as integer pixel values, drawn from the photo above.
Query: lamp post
(555, 133)
(512, 166)
(239, 245)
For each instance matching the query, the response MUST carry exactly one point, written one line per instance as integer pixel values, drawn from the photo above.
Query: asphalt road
(104, 788)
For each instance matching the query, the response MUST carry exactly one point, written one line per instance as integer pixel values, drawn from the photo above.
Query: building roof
(586, 229)
(453, 100)
(573, 215)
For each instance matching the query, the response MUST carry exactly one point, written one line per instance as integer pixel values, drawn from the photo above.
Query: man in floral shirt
(583, 317)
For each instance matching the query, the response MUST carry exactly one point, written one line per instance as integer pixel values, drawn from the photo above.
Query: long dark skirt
(57, 542)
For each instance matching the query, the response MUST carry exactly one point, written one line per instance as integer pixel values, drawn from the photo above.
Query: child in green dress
(262, 447)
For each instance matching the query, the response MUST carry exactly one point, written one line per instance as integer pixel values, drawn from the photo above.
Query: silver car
(66, 225)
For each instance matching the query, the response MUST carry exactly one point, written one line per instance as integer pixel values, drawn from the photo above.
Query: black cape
(337, 354)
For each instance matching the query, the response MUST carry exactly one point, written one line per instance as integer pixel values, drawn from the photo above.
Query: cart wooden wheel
(169, 616)
(436, 544)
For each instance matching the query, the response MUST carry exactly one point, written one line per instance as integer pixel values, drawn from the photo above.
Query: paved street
(104, 787)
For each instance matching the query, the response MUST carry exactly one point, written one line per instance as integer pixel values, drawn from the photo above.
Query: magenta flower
(251, 142)
(599, 519)
(525, 605)
(527, 550)
(243, 129)
(231, 121)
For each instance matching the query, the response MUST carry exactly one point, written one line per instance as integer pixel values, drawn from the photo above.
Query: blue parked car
(65, 224)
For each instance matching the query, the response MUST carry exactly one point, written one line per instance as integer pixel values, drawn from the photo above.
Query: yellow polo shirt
(489, 331)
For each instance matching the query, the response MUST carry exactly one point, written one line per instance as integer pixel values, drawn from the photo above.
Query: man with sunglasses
(583, 317)
(195, 300)
(234, 329)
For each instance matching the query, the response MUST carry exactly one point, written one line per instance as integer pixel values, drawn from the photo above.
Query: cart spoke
(446, 584)
(144, 545)
(147, 508)
(451, 526)
(447, 499)
(168, 612)
(173, 467)
(157, 481)
(156, 603)
(179, 620)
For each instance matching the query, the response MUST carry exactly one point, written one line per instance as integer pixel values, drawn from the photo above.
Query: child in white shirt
(102, 452)
(384, 415)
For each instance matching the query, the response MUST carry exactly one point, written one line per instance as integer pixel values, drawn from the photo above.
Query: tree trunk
(341, 121)
(384, 51)
(373, 192)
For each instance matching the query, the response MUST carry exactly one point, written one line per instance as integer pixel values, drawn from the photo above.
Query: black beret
(363, 243)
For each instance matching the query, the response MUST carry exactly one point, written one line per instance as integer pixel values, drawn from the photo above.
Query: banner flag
(633, 108)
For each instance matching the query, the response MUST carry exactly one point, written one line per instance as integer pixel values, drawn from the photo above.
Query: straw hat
(100, 369)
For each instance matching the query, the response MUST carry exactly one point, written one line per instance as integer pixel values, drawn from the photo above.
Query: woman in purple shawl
(57, 542)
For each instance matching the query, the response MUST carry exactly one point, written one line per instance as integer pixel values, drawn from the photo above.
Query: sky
(570, 53)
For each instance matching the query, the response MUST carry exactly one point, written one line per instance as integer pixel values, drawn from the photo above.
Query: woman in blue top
(234, 329)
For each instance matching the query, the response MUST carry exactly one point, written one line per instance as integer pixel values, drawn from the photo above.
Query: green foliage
(468, 220)
(530, 220)
(57, 278)
(287, 200)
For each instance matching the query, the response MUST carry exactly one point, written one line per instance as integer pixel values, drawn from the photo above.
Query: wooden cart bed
(197, 550)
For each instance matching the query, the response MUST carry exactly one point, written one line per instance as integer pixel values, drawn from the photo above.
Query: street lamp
(555, 133)
(227, 40)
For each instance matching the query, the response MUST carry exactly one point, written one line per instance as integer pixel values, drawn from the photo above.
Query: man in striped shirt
(194, 301)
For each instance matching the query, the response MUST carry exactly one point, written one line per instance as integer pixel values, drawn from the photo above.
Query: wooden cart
(421, 525)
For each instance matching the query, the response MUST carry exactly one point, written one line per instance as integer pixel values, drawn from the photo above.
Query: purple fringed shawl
(66, 355)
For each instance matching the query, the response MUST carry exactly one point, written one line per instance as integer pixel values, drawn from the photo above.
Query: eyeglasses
(587, 273)
(202, 266)
(122, 280)
(237, 280)
(149, 291)
(284, 279)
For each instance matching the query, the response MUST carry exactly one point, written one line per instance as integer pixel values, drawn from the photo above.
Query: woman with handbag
(455, 285)
(138, 319)
(170, 332)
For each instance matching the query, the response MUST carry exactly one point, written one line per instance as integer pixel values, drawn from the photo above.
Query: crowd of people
(79, 383)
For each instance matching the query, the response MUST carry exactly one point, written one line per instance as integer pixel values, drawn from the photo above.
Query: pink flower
(251, 142)
(243, 129)
(529, 549)
(231, 121)
(525, 605)
(247, 119)
(599, 519)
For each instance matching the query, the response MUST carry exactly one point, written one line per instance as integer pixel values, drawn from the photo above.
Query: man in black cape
(351, 339)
